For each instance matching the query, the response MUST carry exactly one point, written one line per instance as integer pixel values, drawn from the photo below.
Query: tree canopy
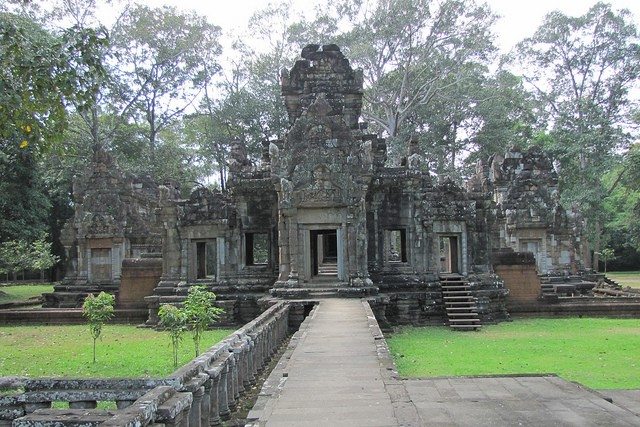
(155, 87)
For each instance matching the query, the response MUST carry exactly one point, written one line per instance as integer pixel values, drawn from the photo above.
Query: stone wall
(139, 277)
(518, 270)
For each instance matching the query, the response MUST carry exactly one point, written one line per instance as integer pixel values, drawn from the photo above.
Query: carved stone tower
(321, 173)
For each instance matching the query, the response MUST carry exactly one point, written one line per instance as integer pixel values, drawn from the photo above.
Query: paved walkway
(337, 372)
(333, 377)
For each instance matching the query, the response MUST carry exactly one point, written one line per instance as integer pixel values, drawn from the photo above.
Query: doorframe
(305, 237)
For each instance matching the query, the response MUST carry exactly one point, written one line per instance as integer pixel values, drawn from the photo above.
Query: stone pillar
(232, 376)
(214, 405)
(293, 249)
(195, 411)
(283, 244)
(223, 403)
(240, 353)
(251, 353)
(205, 407)
(180, 420)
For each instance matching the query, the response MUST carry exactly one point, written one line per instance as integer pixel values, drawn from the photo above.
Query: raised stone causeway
(333, 375)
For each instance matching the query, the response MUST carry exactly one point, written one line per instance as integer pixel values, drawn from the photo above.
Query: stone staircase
(459, 302)
(328, 270)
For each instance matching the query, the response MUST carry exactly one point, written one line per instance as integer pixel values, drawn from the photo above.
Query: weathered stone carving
(323, 212)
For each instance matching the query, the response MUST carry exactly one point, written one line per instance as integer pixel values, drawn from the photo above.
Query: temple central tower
(321, 173)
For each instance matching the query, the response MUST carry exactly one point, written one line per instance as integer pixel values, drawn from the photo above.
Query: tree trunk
(596, 245)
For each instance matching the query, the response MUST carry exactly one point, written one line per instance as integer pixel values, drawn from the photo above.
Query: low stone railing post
(195, 411)
(251, 351)
(240, 352)
(235, 377)
(223, 403)
(231, 388)
(205, 412)
(214, 414)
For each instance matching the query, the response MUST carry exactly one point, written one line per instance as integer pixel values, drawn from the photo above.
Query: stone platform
(337, 371)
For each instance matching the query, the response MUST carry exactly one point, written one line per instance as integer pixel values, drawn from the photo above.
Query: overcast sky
(519, 19)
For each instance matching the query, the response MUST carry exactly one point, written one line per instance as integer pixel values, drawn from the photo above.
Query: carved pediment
(100, 224)
(322, 191)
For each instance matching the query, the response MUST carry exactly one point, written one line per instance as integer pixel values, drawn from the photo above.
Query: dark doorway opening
(324, 253)
(449, 259)
(206, 259)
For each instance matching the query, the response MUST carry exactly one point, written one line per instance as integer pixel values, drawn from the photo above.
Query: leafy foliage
(16, 255)
(196, 315)
(97, 310)
(200, 312)
(582, 69)
(41, 74)
(174, 321)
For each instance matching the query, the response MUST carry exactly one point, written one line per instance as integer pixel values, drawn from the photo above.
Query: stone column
(214, 405)
(232, 376)
(223, 403)
(293, 248)
(205, 411)
(195, 412)
(283, 246)
(250, 378)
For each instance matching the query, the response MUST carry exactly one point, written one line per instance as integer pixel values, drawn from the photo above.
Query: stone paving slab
(525, 401)
(628, 399)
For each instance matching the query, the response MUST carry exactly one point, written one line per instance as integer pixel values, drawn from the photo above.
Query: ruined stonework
(323, 215)
(529, 217)
(114, 219)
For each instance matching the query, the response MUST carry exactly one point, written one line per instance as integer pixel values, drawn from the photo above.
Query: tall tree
(43, 75)
(159, 53)
(583, 69)
(412, 50)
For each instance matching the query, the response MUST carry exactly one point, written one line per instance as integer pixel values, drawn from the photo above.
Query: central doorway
(324, 253)
(449, 254)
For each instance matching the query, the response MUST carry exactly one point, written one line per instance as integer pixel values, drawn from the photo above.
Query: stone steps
(460, 304)
(316, 291)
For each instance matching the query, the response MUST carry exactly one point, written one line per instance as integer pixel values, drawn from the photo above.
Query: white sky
(519, 18)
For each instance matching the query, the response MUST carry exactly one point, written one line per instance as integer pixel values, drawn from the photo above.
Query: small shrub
(607, 254)
(200, 312)
(174, 321)
(97, 310)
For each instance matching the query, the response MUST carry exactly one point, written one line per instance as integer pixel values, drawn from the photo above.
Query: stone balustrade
(203, 392)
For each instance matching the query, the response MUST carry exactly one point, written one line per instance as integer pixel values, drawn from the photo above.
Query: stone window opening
(206, 259)
(397, 245)
(256, 248)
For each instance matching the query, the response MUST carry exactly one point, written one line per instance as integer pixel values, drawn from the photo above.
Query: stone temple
(323, 214)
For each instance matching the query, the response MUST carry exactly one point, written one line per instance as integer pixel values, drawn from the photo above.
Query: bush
(200, 312)
(97, 310)
(174, 321)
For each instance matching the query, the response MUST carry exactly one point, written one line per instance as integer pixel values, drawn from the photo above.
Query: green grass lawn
(599, 353)
(66, 351)
(23, 292)
(625, 278)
